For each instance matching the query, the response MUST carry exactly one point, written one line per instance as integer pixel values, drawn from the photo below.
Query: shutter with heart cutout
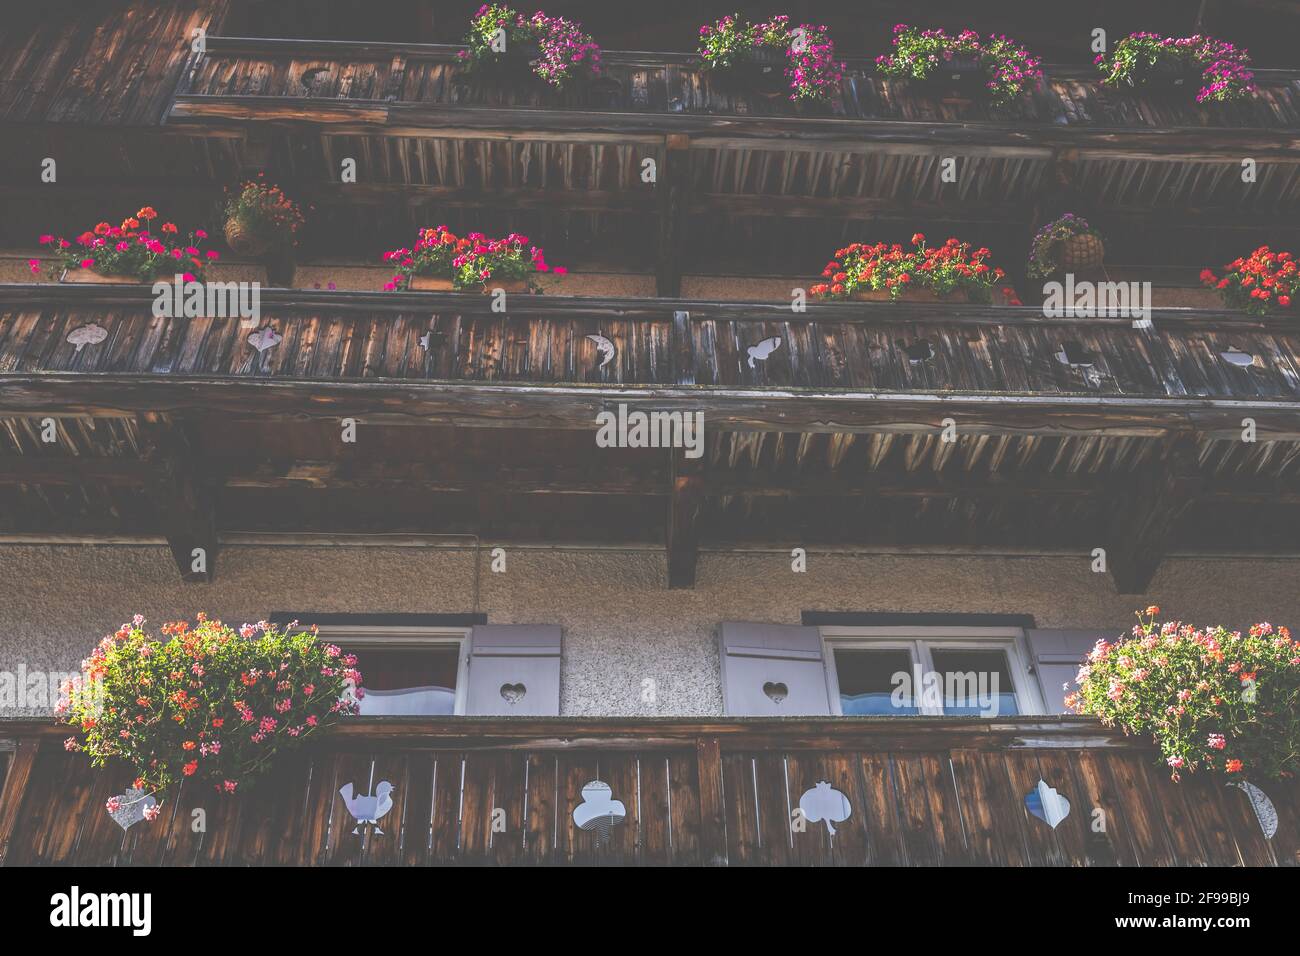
(1057, 655)
(772, 670)
(514, 670)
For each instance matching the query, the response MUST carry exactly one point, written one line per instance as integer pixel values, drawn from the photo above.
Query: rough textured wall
(620, 623)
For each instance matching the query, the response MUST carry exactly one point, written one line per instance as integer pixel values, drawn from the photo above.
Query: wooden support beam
(672, 186)
(14, 787)
(1143, 521)
(683, 517)
(713, 824)
(185, 506)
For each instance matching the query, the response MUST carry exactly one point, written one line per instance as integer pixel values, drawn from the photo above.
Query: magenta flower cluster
(1225, 70)
(1008, 67)
(811, 67)
(565, 50)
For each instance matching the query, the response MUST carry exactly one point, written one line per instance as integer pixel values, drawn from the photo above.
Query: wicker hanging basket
(243, 241)
(1082, 252)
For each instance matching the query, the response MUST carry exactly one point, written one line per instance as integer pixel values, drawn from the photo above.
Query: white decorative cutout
(1235, 356)
(1046, 804)
(599, 812)
(131, 807)
(265, 338)
(1265, 812)
(763, 349)
(91, 334)
(606, 349)
(823, 803)
(368, 809)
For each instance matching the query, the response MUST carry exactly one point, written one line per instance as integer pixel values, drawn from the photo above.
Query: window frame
(355, 638)
(919, 641)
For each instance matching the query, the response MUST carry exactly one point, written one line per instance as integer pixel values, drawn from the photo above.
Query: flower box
(91, 276)
(909, 295)
(961, 76)
(431, 284)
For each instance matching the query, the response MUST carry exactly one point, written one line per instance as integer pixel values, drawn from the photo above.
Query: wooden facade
(933, 427)
(936, 793)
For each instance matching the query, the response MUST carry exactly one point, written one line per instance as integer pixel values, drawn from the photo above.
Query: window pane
(975, 682)
(867, 681)
(407, 681)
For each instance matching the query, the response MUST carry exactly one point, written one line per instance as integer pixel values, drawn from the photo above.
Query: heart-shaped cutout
(265, 338)
(128, 809)
(1046, 804)
(513, 693)
(776, 690)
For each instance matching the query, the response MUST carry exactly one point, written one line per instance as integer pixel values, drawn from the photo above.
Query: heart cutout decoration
(776, 690)
(131, 807)
(265, 338)
(1047, 804)
(513, 693)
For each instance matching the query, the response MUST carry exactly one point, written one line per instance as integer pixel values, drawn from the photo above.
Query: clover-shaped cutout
(90, 334)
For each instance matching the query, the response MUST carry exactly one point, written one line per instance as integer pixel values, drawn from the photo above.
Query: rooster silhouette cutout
(368, 809)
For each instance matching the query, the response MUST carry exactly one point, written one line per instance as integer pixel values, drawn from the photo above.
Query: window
(950, 671)
(406, 671)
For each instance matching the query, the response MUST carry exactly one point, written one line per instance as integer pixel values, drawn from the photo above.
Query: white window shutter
(772, 670)
(1056, 656)
(514, 670)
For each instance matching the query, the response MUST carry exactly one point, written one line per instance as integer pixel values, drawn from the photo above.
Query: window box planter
(79, 276)
(961, 76)
(910, 295)
(431, 284)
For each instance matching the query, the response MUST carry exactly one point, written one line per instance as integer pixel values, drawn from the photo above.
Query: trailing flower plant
(133, 249)
(563, 50)
(1008, 67)
(1045, 251)
(943, 270)
(1262, 282)
(1212, 699)
(208, 703)
(1225, 70)
(470, 262)
(809, 52)
(265, 211)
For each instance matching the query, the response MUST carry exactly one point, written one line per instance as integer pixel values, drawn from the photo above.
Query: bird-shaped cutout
(763, 349)
(1265, 812)
(606, 349)
(265, 338)
(919, 351)
(368, 809)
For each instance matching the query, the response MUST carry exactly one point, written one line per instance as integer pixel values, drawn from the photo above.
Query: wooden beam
(713, 824)
(683, 535)
(672, 181)
(1146, 515)
(15, 786)
(185, 507)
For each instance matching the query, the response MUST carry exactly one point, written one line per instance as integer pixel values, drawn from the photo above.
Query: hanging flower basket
(1066, 244)
(552, 49)
(1081, 252)
(243, 241)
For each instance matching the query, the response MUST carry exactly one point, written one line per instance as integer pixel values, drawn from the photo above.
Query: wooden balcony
(923, 792)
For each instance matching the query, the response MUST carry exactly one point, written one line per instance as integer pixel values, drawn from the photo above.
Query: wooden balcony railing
(856, 359)
(422, 85)
(490, 791)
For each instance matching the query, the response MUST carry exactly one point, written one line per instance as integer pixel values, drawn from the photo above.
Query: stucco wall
(620, 623)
